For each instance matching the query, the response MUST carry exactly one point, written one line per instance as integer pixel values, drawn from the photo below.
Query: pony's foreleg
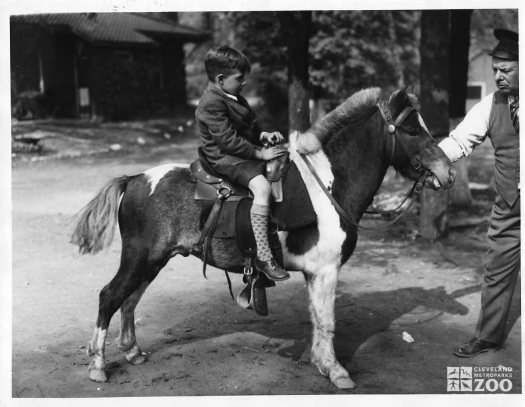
(127, 341)
(321, 290)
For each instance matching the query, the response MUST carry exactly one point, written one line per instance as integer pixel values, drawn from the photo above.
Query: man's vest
(506, 145)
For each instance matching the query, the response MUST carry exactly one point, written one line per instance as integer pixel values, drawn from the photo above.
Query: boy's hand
(267, 154)
(272, 138)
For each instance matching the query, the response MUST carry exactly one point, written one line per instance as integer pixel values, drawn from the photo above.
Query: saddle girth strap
(204, 243)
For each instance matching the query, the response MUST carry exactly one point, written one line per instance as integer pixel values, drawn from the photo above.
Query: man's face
(506, 75)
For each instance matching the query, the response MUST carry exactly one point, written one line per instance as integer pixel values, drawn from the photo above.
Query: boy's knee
(260, 186)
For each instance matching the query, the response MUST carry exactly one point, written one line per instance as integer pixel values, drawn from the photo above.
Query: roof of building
(115, 27)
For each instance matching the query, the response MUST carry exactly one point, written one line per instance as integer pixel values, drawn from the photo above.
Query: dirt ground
(198, 341)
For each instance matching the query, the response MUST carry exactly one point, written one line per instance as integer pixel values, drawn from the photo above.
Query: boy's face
(232, 83)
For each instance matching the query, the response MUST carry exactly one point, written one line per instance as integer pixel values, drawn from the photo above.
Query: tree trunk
(434, 50)
(459, 54)
(296, 29)
(318, 109)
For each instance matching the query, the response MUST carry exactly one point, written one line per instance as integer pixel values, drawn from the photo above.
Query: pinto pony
(350, 149)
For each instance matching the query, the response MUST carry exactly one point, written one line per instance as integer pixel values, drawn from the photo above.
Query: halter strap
(403, 115)
(392, 126)
(416, 188)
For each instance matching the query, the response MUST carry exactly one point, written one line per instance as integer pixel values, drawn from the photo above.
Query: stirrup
(253, 296)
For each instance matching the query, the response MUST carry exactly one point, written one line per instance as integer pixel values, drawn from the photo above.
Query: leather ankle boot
(271, 269)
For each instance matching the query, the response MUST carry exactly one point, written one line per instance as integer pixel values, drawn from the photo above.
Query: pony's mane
(354, 109)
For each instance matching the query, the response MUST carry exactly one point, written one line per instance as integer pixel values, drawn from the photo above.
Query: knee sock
(259, 217)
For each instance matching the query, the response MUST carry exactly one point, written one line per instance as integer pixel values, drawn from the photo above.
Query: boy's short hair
(225, 60)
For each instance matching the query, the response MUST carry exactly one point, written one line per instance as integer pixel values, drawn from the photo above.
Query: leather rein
(414, 190)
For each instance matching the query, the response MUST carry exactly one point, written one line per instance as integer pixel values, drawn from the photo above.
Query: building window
(476, 90)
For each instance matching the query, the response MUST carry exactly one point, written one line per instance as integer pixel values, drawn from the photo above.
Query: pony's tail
(97, 220)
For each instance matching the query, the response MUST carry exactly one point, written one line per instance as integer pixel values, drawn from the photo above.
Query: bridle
(392, 126)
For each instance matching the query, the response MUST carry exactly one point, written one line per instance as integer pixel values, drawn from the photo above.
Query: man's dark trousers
(502, 271)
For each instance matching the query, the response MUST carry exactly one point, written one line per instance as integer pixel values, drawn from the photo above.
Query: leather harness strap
(338, 207)
(204, 244)
(416, 188)
(392, 127)
(229, 284)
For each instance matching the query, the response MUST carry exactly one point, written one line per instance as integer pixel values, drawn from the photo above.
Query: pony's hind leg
(125, 283)
(96, 350)
(127, 341)
(321, 290)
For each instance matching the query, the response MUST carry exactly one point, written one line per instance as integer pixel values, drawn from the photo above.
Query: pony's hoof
(138, 360)
(135, 356)
(343, 382)
(97, 375)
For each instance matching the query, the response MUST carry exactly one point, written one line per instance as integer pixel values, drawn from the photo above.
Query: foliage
(260, 33)
(259, 36)
(351, 50)
(485, 21)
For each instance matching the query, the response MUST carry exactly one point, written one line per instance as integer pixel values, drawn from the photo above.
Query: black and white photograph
(265, 200)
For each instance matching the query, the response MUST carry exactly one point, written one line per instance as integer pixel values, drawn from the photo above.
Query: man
(497, 117)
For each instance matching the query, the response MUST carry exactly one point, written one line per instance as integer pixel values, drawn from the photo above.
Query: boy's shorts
(239, 170)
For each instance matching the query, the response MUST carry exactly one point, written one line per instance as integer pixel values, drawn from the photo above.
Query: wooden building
(108, 65)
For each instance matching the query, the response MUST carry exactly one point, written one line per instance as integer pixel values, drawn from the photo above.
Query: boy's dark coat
(228, 128)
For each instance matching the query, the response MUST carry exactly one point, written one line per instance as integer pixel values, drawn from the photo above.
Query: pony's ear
(411, 96)
(397, 101)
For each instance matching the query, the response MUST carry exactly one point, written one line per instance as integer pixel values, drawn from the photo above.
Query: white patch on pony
(154, 175)
(97, 349)
(307, 143)
(97, 367)
(322, 264)
(101, 340)
(327, 251)
(422, 123)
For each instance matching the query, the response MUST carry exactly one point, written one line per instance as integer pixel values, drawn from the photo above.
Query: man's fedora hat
(507, 47)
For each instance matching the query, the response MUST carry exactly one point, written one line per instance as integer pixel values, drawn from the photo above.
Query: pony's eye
(413, 131)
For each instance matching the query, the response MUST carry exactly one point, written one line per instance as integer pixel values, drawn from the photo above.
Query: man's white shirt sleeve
(470, 133)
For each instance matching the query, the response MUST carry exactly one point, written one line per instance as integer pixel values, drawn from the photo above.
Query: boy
(232, 142)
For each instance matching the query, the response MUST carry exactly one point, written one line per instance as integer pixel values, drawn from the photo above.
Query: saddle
(226, 210)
